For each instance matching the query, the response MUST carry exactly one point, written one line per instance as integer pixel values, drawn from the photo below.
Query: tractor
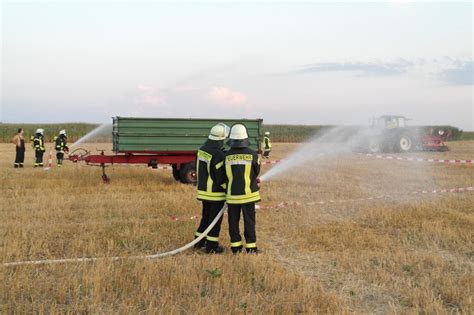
(390, 133)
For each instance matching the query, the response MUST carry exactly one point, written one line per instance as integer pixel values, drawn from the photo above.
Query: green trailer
(159, 135)
(172, 141)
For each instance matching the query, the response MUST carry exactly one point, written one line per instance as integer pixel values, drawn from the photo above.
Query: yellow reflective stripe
(235, 244)
(212, 239)
(204, 155)
(211, 198)
(210, 193)
(197, 234)
(242, 201)
(247, 179)
(251, 245)
(219, 165)
(230, 177)
(209, 179)
(240, 197)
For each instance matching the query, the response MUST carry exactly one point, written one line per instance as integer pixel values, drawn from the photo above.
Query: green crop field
(279, 133)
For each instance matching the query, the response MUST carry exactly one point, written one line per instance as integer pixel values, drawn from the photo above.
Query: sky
(288, 63)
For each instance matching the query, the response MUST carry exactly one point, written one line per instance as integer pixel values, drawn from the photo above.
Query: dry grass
(404, 254)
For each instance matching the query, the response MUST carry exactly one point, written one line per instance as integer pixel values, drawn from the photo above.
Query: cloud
(461, 73)
(369, 69)
(224, 96)
(148, 95)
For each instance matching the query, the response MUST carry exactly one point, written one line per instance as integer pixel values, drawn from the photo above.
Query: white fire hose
(93, 259)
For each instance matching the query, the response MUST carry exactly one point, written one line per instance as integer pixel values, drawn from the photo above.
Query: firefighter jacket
(38, 143)
(242, 167)
(210, 172)
(267, 144)
(61, 144)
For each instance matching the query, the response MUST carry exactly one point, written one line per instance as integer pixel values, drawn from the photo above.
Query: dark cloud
(460, 74)
(371, 69)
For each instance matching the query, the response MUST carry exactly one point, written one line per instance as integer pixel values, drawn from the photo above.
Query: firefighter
(38, 145)
(210, 174)
(242, 167)
(19, 142)
(61, 146)
(267, 145)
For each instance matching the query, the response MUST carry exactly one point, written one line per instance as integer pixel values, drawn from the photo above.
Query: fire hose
(94, 259)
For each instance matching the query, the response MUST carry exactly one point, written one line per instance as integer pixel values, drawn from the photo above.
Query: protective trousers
(60, 158)
(210, 209)
(248, 211)
(19, 157)
(39, 158)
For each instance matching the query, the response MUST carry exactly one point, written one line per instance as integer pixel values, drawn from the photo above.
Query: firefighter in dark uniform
(19, 142)
(242, 167)
(210, 174)
(267, 145)
(38, 145)
(61, 146)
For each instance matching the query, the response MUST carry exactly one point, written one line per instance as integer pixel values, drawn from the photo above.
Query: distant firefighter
(211, 186)
(61, 146)
(19, 142)
(267, 145)
(38, 146)
(242, 167)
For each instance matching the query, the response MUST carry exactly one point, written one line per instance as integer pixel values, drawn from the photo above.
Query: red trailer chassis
(183, 163)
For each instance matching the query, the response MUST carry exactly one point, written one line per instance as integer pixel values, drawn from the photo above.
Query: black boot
(214, 249)
(236, 250)
(201, 244)
(253, 250)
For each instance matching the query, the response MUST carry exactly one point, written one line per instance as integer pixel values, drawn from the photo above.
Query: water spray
(91, 134)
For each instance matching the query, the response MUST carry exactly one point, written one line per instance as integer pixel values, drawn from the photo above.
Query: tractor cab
(389, 122)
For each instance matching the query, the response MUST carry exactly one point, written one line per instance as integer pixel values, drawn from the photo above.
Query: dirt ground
(396, 253)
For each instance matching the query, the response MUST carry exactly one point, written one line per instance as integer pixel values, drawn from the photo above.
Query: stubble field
(397, 253)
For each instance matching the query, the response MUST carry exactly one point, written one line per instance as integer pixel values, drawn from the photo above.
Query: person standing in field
(38, 145)
(61, 146)
(19, 142)
(210, 174)
(267, 145)
(242, 167)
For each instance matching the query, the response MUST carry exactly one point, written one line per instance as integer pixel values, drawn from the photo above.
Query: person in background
(61, 146)
(38, 145)
(242, 167)
(210, 174)
(19, 142)
(267, 145)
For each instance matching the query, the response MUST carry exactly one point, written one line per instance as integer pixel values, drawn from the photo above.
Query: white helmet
(218, 132)
(267, 133)
(62, 132)
(40, 131)
(227, 129)
(238, 132)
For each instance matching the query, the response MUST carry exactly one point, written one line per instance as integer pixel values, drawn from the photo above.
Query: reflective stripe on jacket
(267, 144)
(242, 167)
(210, 172)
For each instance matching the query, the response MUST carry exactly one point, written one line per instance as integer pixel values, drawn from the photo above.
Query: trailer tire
(188, 173)
(176, 174)
(374, 145)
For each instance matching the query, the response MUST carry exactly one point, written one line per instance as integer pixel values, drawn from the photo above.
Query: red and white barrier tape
(421, 192)
(412, 159)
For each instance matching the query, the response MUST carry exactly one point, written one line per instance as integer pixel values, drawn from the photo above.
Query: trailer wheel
(374, 145)
(405, 143)
(176, 174)
(188, 173)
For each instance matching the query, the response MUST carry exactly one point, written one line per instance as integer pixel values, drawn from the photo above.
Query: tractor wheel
(405, 143)
(188, 173)
(374, 146)
(176, 174)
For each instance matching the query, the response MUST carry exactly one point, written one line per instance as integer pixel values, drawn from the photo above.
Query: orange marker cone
(50, 161)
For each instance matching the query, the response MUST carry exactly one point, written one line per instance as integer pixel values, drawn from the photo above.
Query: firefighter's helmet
(217, 133)
(238, 137)
(267, 133)
(40, 131)
(62, 132)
